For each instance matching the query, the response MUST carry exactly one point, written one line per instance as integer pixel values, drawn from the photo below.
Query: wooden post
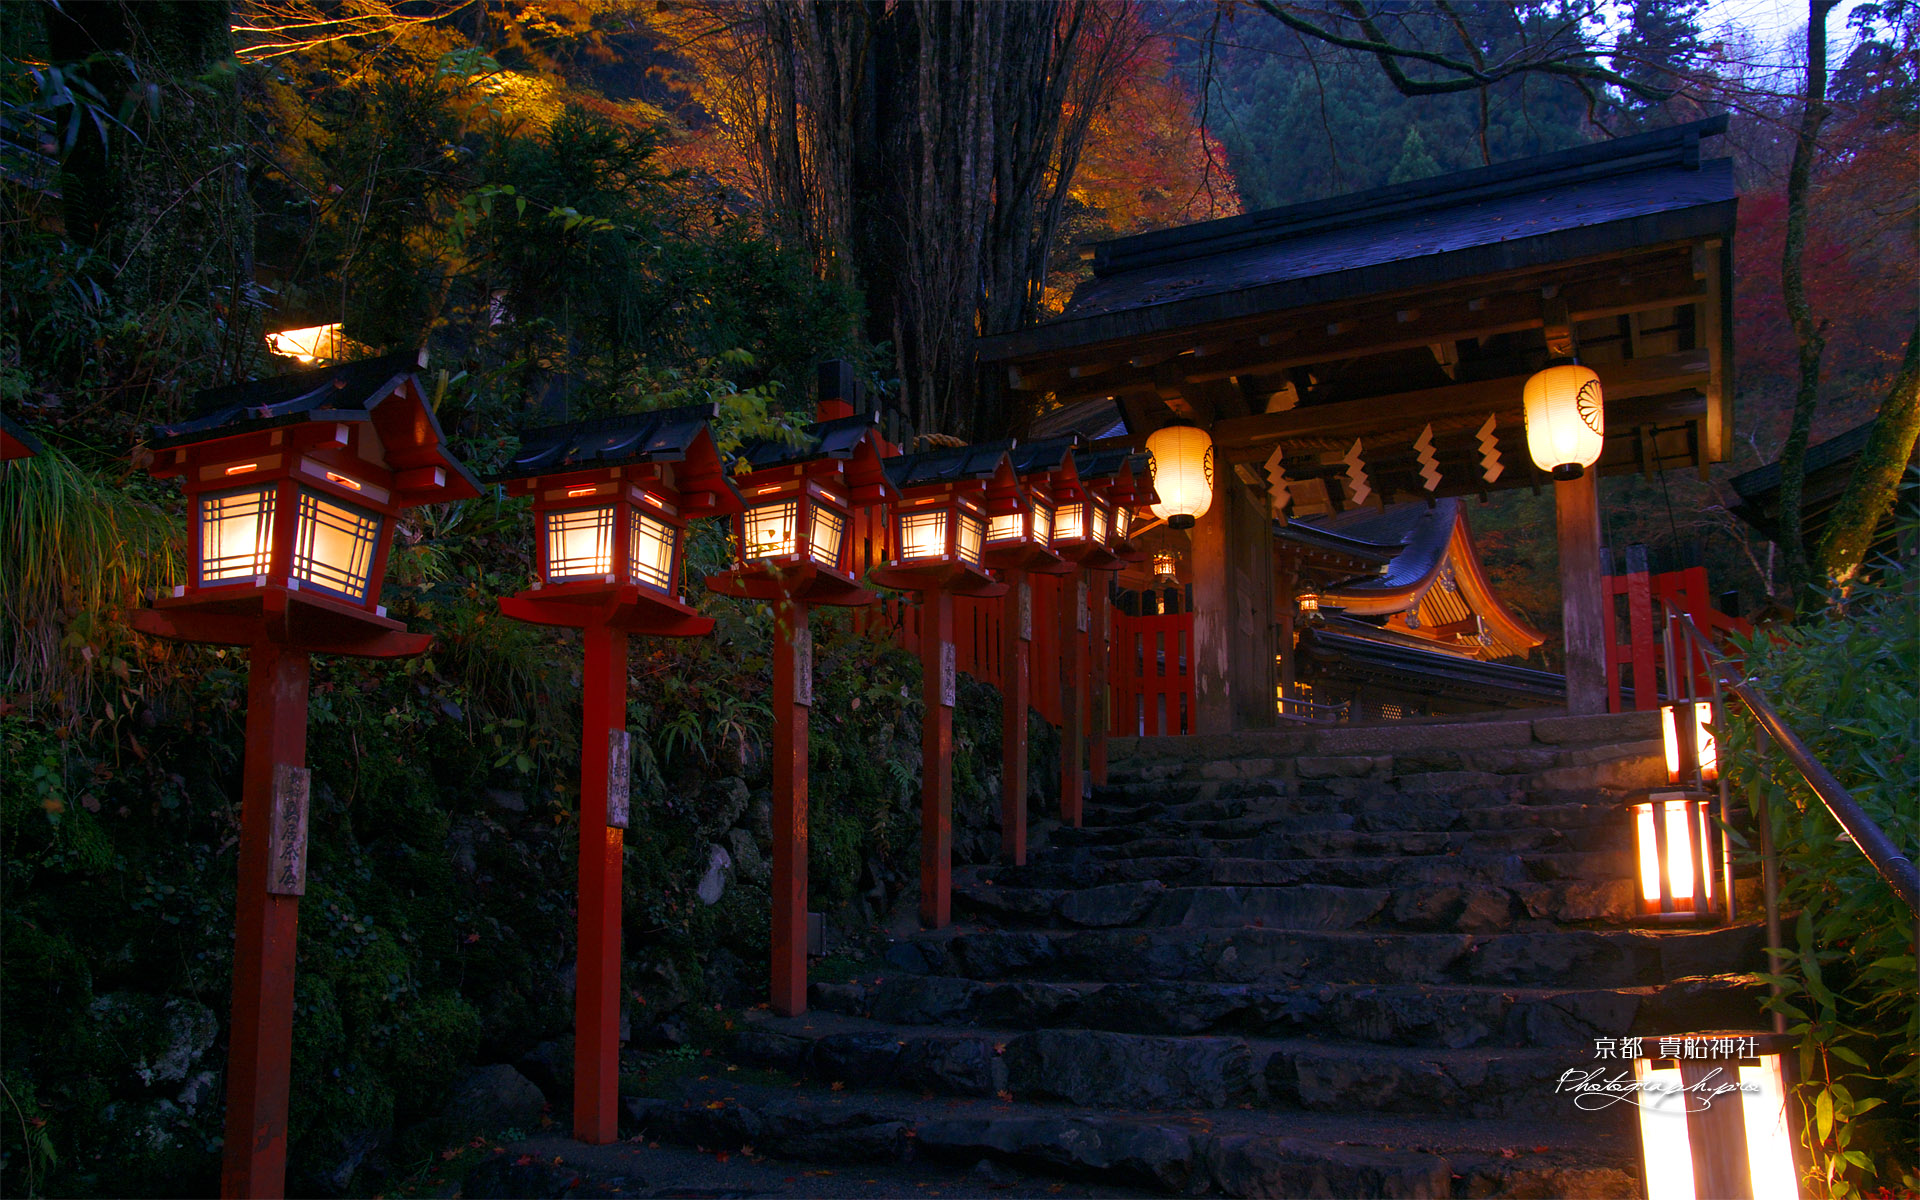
(1213, 616)
(596, 993)
(1576, 504)
(266, 919)
(1286, 610)
(1073, 691)
(1100, 720)
(937, 687)
(792, 696)
(1016, 650)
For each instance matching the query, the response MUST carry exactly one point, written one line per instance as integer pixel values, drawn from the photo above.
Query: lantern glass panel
(1042, 523)
(1704, 751)
(972, 532)
(825, 536)
(923, 533)
(1769, 1144)
(1663, 1131)
(579, 543)
(1099, 523)
(1673, 813)
(333, 545)
(1122, 523)
(1007, 527)
(770, 530)
(1067, 526)
(236, 535)
(650, 551)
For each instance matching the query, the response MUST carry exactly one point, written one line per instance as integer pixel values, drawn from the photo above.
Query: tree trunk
(1871, 490)
(1809, 334)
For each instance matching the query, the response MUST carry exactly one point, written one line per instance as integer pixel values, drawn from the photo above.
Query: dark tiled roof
(947, 464)
(837, 438)
(1762, 481)
(1327, 539)
(18, 433)
(1099, 462)
(346, 391)
(1045, 454)
(660, 436)
(1601, 198)
(1419, 533)
(1091, 419)
(1431, 672)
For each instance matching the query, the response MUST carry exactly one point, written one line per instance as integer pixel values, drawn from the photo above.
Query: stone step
(1450, 1016)
(1468, 907)
(1059, 871)
(1156, 1072)
(1331, 843)
(1372, 817)
(1228, 1152)
(1604, 958)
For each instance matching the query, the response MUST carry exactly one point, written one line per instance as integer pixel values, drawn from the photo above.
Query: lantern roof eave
(974, 463)
(17, 441)
(662, 435)
(344, 393)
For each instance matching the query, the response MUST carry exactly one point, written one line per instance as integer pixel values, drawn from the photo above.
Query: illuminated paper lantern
(1566, 420)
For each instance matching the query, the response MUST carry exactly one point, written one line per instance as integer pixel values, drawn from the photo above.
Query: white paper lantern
(1182, 473)
(1566, 424)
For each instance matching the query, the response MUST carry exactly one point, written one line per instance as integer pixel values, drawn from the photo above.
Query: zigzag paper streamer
(1280, 497)
(1357, 487)
(1429, 462)
(1490, 467)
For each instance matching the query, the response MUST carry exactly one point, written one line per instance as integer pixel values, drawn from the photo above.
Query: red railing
(1636, 675)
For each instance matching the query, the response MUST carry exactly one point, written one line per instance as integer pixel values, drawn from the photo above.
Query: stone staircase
(1351, 962)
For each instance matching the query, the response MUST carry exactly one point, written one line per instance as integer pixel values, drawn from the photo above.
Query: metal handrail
(1892, 866)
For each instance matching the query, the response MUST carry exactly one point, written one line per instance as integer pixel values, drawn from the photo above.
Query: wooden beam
(1252, 437)
(1485, 308)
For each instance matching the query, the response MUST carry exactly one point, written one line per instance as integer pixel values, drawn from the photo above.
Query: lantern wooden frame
(16, 442)
(947, 491)
(1661, 817)
(374, 460)
(660, 468)
(837, 470)
(1739, 1142)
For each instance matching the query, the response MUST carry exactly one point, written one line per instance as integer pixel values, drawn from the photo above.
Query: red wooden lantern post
(793, 550)
(611, 501)
(1122, 479)
(940, 518)
(292, 486)
(1082, 525)
(1019, 544)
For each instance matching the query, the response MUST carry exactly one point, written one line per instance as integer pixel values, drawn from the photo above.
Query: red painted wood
(1684, 589)
(789, 750)
(1100, 659)
(260, 1052)
(1073, 697)
(1016, 660)
(596, 996)
(936, 763)
(1044, 658)
(1153, 676)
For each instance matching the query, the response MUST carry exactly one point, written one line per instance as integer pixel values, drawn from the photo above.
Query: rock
(847, 998)
(762, 821)
(957, 1065)
(925, 999)
(1158, 1156)
(148, 1127)
(1115, 1069)
(727, 802)
(747, 860)
(506, 1177)
(1486, 910)
(336, 1177)
(492, 1099)
(714, 883)
(773, 1051)
(550, 1066)
(199, 1088)
(1113, 904)
(660, 988)
(866, 1059)
(507, 801)
(1430, 907)
(1251, 1165)
(881, 1141)
(728, 980)
(160, 1038)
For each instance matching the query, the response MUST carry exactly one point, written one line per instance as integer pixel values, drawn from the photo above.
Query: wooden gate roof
(1294, 332)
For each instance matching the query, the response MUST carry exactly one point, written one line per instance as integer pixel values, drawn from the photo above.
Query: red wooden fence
(1637, 663)
(1152, 678)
